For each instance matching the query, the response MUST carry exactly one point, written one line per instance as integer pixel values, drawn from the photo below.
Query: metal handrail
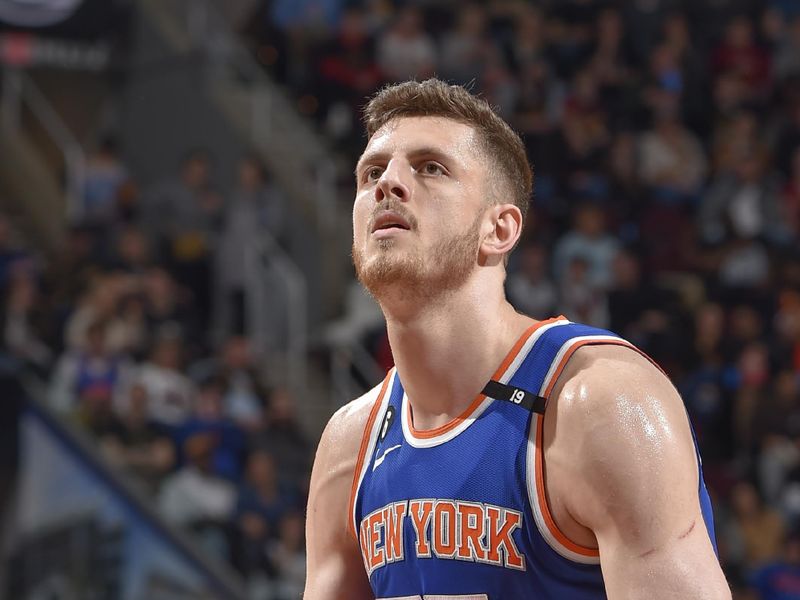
(343, 385)
(19, 90)
(266, 257)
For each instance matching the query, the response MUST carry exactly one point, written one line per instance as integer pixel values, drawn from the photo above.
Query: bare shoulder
(617, 382)
(621, 440)
(334, 567)
(343, 432)
(625, 428)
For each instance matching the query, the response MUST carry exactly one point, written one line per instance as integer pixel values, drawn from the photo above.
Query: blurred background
(179, 316)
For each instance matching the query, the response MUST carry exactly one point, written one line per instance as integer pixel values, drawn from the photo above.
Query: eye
(373, 173)
(432, 168)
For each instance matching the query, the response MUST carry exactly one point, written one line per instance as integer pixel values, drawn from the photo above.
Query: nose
(394, 182)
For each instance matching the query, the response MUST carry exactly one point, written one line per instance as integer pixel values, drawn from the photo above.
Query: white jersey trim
(373, 440)
(533, 456)
(418, 442)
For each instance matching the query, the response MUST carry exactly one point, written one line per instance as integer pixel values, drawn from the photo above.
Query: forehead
(406, 134)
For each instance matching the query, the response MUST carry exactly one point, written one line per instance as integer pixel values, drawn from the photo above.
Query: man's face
(422, 186)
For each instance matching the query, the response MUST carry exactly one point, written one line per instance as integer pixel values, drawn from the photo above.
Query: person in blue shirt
(503, 457)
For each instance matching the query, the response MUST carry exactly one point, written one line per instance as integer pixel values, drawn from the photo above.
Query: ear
(506, 227)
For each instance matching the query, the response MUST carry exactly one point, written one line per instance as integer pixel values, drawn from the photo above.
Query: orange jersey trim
(362, 453)
(512, 354)
(540, 486)
(560, 537)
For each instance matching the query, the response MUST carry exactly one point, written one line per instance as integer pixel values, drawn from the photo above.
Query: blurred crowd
(137, 326)
(665, 141)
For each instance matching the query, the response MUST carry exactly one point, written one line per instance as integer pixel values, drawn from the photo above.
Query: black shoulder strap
(518, 396)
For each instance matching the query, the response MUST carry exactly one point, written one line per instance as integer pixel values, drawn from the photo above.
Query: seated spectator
(743, 203)
(287, 554)
(101, 302)
(636, 306)
(739, 52)
(209, 417)
(132, 251)
(283, 438)
(530, 288)
(673, 163)
(261, 505)
(197, 499)
(170, 392)
(755, 531)
(244, 393)
(169, 304)
(581, 300)
(588, 241)
(406, 51)
(787, 55)
(137, 445)
(780, 579)
(744, 264)
(348, 68)
(87, 380)
(466, 48)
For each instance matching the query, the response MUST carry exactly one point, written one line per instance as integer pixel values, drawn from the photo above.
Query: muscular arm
(334, 567)
(634, 477)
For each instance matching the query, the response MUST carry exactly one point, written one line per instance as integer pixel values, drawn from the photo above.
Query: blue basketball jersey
(461, 511)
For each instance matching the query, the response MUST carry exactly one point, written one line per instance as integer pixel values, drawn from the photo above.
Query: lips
(390, 220)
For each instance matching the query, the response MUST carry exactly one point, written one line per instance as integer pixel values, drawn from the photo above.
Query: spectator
(186, 214)
(255, 209)
(197, 499)
(744, 203)
(101, 303)
(673, 163)
(406, 51)
(287, 553)
(104, 175)
(132, 253)
(167, 304)
(262, 504)
(637, 307)
(530, 288)
(589, 241)
(87, 380)
(137, 445)
(283, 438)
(581, 300)
(208, 417)
(787, 55)
(242, 382)
(465, 49)
(739, 53)
(755, 530)
(780, 579)
(170, 392)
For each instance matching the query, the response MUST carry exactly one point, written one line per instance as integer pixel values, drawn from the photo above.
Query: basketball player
(502, 457)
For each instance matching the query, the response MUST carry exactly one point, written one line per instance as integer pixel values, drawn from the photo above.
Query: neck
(449, 347)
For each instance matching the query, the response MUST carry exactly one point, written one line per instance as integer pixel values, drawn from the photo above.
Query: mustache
(396, 207)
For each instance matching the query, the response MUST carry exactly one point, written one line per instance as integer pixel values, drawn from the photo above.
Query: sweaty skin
(620, 467)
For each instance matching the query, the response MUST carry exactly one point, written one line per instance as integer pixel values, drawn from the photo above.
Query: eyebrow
(373, 157)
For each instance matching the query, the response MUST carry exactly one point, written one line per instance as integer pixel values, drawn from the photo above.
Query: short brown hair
(435, 98)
